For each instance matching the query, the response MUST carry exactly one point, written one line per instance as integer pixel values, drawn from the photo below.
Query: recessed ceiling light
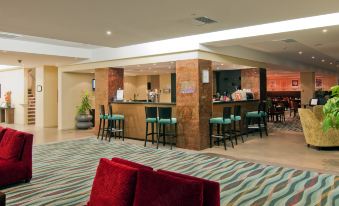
(108, 33)
(313, 57)
(331, 63)
(300, 52)
(323, 60)
(325, 30)
(222, 64)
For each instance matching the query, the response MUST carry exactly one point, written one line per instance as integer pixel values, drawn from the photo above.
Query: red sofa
(15, 156)
(120, 182)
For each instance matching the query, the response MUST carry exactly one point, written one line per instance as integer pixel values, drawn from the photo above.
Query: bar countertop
(234, 102)
(143, 102)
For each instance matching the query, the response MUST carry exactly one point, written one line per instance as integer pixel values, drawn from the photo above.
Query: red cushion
(155, 189)
(114, 184)
(11, 145)
(131, 164)
(211, 188)
(2, 132)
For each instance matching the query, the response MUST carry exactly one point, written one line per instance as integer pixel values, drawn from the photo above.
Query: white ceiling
(312, 42)
(132, 22)
(34, 60)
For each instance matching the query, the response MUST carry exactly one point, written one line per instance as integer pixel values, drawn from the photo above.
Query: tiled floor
(282, 148)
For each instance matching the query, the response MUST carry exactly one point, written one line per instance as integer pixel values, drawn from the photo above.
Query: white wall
(72, 85)
(47, 100)
(14, 81)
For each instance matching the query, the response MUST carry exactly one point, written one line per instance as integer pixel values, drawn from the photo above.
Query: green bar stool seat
(151, 119)
(116, 117)
(168, 121)
(116, 125)
(165, 119)
(260, 117)
(223, 122)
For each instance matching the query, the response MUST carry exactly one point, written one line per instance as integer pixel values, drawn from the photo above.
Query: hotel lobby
(191, 103)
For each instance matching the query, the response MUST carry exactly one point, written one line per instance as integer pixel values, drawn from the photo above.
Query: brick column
(193, 103)
(108, 81)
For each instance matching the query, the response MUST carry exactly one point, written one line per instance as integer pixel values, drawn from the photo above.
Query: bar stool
(151, 118)
(165, 118)
(236, 117)
(116, 125)
(260, 116)
(222, 121)
(103, 117)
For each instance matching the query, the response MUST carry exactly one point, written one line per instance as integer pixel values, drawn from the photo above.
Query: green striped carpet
(63, 174)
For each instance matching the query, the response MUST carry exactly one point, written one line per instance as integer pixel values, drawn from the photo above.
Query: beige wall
(307, 87)
(135, 85)
(129, 87)
(72, 86)
(138, 85)
(14, 80)
(46, 103)
(165, 84)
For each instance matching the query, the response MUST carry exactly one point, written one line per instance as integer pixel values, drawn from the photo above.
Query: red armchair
(15, 156)
(121, 182)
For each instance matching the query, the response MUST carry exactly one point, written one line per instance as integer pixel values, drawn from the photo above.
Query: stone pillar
(193, 103)
(107, 82)
(307, 86)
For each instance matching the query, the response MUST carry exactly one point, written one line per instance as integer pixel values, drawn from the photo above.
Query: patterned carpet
(63, 174)
(291, 124)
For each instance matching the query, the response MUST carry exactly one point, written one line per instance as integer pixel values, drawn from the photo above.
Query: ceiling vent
(205, 20)
(289, 41)
(4, 35)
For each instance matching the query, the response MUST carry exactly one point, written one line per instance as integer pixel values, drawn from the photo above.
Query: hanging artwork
(295, 83)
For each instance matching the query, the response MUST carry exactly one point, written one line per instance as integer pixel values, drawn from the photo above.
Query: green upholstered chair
(165, 119)
(103, 117)
(151, 119)
(222, 122)
(236, 117)
(116, 125)
(257, 119)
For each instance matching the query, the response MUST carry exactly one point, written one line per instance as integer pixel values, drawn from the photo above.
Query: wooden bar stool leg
(108, 132)
(211, 133)
(152, 125)
(164, 133)
(259, 126)
(99, 128)
(123, 130)
(235, 132)
(223, 135)
(146, 134)
(159, 126)
(103, 129)
(240, 131)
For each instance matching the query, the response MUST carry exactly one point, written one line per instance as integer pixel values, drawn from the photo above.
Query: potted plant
(8, 99)
(83, 117)
(331, 110)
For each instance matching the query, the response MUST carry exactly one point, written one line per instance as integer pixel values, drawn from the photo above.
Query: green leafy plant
(85, 104)
(331, 110)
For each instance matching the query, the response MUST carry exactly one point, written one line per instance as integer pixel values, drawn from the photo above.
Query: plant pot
(84, 121)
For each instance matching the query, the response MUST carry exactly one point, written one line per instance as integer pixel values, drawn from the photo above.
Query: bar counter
(135, 117)
(135, 126)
